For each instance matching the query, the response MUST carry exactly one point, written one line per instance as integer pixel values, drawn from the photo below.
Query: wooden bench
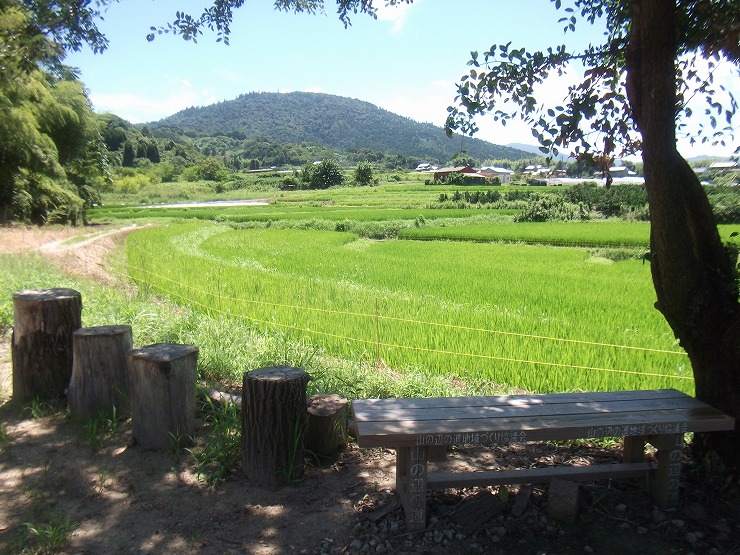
(418, 427)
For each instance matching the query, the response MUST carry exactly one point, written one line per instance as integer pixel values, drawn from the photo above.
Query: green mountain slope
(341, 123)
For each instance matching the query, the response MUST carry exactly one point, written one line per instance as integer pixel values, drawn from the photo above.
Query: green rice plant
(288, 216)
(584, 234)
(535, 317)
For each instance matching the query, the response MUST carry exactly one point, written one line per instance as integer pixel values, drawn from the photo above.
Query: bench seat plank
(462, 413)
(506, 418)
(522, 400)
(503, 430)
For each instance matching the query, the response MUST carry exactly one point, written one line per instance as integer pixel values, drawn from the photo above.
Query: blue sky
(407, 61)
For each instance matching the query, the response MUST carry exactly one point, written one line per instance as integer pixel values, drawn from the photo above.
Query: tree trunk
(692, 272)
(43, 323)
(326, 429)
(273, 424)
(99, 372)
(162, 379)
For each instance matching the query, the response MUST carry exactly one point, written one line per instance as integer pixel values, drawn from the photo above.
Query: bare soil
(113, 497)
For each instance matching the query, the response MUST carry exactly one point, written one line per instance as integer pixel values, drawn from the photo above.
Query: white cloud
(150, 106)
(395, 14)
(433, 98)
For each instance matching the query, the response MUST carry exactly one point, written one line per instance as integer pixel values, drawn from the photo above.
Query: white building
(492, 171)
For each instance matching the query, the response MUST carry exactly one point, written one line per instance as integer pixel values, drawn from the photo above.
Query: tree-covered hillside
(341, 123)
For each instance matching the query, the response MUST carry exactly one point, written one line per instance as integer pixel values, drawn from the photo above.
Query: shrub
(614, 201)
(212, 169)
(726, 207)
(323, 175)
(363, 175)
(130, 184)
(167, 172)
(189, 174)
(289, 182)
(547, 207)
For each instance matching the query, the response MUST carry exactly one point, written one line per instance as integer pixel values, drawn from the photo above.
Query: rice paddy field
(610, 233)
(532, 316)
(282, 212)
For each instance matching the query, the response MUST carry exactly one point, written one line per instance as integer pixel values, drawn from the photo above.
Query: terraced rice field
(538, 317)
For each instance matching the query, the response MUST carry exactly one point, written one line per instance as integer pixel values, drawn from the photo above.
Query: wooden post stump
(273, 422)
(162, 380)
(43, 323)
(99, 371)
(326, 429)
(564, 500)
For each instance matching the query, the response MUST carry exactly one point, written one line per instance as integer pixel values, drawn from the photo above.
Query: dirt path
(81, 251)
(103, 496)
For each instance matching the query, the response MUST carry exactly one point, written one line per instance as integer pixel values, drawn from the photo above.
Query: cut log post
(99, 371)
(162, 380)
(273, 424)
(43, 323)
(326, 429)
(563, 501)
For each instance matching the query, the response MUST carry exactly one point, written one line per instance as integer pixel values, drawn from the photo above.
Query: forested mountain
(341, 123)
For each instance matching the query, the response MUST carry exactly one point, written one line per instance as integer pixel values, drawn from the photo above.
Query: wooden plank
(521, 400)
(552, 427)
(373, 411)
(444, 480)
(694, 417)
(506, 430)
(500, 411)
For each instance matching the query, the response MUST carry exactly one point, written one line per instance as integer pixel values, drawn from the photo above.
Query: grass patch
(219, 453)
(48, 537)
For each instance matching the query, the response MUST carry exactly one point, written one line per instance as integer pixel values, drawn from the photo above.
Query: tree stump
(326, 429)
(162, 381)
(43, 323)
(273, 424)
(99, 371)
(563, 500)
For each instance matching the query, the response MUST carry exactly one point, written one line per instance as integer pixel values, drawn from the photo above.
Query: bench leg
(411, 485)
(634, 449)
(665, 489)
